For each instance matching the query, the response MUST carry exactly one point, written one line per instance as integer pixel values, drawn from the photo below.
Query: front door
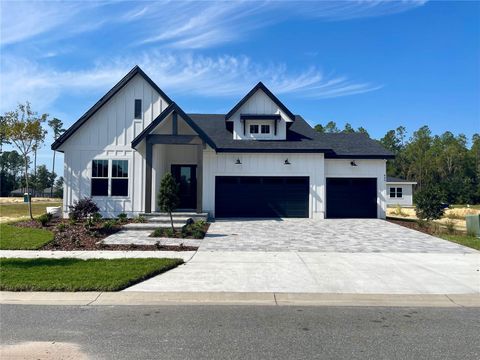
(186, 177)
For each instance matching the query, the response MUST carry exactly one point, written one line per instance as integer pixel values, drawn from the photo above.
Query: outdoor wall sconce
(238, 162)
(353, 163)
(287, 162)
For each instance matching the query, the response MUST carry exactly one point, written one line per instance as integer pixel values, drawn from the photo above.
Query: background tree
(42, 179)
(24, 130)
(57, 128)
(168, 197)
(429, 205)
(3, 133)
(59, 187)
(11, 163)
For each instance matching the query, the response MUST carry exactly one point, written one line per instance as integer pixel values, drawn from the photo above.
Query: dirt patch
(42, 350)
(431, 228)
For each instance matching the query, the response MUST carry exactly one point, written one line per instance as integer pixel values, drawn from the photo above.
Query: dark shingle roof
(300, 138)
(398, 180)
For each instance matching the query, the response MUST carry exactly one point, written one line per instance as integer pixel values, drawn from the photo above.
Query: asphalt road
(249, 332)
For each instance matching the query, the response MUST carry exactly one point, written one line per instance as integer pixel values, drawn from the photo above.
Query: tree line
(447, 163)
(25, 130)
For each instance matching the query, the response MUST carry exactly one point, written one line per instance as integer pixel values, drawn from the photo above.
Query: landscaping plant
(168, 197)
(83, 209)
(44, 219)
(429, 205)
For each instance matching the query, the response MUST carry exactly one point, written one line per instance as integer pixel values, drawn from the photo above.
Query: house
(399, 191)
(257, 160)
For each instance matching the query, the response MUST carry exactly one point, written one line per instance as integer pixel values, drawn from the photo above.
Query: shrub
(109, 226)
(62, 227)
(122, 217)
(83, 208)
(429, 205)
(97, 217)
(44, 219)
(140, 219)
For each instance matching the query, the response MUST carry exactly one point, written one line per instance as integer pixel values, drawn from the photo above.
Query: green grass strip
(78, 275)
(17, 238)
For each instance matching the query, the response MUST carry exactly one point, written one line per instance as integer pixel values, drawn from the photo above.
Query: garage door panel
(351, 197)
(249, 196)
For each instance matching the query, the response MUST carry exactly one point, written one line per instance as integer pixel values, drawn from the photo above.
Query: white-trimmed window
(119, 185)
(265, 129)
(253, 128)
(99, 178)
(396, 192)
(109, 183)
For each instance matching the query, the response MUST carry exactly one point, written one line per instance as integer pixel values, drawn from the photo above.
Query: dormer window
(265, 129)
(253, 129)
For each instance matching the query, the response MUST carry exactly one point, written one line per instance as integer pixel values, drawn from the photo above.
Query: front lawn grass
(465, 240)
(18, 238)
(14, 211)
(78, 275)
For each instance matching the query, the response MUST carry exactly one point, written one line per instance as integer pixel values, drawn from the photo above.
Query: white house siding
(406, 199)
(108, 135)
(255, 164)
(259, 103)
(365, 168)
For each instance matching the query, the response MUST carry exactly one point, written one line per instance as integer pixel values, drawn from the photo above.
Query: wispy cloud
(176, 24)
(176, 73)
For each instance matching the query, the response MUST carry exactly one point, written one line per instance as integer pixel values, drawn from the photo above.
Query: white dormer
(260, 116)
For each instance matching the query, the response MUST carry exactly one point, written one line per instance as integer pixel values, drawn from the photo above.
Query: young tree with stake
(24, 130)
(168, 197)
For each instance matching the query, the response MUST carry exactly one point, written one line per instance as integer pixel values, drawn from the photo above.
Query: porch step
(149, 226)
(177, 213)
(176, 219)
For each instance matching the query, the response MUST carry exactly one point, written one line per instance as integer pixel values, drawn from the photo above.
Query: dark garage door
(255, 196)
(351, 198)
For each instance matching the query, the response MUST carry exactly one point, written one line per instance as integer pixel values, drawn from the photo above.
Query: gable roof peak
(261, 86)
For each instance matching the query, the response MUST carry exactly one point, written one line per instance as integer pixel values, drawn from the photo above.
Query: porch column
(199, 176)
(148, 177)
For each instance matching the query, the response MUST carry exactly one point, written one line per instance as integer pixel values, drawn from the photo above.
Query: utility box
(27, 197)
(473, 225)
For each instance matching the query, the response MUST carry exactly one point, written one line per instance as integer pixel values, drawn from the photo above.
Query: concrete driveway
(322, 256)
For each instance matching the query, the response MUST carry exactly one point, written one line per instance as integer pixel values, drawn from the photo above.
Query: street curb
(238, 298)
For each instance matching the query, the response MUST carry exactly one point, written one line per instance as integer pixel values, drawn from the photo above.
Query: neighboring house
(258, 160)
(399, 191)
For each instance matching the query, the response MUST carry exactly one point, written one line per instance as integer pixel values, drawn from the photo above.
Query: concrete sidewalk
(96, 254)
(313, 272)
(235, 298)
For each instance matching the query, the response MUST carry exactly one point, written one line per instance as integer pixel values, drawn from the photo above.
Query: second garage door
(261, 196)
(351, 198)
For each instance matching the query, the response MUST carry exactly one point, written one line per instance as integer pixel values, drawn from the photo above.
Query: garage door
(255, 196)
(351, 197)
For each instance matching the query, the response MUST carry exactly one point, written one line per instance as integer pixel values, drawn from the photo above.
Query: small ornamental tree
(168, 197)
(429, 205)
(23, 128)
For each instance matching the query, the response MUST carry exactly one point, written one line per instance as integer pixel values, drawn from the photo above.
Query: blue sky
(370, 63)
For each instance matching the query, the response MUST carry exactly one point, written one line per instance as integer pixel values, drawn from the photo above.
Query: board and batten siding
(259, 103)
(255, 164)
(338, 168)
(407, 194)
(108, 135)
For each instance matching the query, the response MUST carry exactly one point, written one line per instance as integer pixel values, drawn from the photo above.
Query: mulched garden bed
(412, 224)
(75, 236)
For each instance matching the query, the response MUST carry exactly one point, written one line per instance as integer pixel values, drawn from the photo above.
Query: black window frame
(254, 126)
(99, 182)
(393, 192)
(265, 126)
(138, 109)
(399, 192)
(119, 179)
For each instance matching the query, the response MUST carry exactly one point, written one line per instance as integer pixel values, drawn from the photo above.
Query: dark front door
(186, 177)
(351, 198)
(261, 196)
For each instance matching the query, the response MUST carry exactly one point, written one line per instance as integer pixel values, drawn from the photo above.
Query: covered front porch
(172, 143)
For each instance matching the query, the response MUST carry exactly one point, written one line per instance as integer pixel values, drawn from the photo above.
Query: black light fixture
(238, 162)
(353, 163)
(287, 162)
